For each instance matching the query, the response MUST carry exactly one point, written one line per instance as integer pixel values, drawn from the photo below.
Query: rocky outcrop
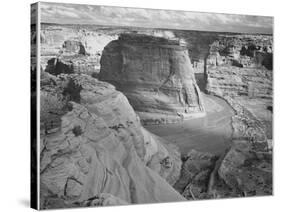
(74, 47)
(252, 51)
(80, 47)
(235, 82)
(245, 171)
(94, 150)
(195, 174)
(247, 167)
(71, 64)
(216, 49)
(156, 76)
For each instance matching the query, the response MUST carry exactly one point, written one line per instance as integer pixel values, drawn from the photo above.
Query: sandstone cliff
(93, 147)
(216, 48)
(156, 76)
(77, 48)
(240, 65)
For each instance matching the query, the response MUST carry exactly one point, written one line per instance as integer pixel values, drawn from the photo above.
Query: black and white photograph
(136, 106)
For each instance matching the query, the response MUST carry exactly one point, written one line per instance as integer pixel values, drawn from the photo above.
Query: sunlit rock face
(235, 82)
(244, 51)
(94, 151)
(154, 73)
(240, 65)
(76, 48)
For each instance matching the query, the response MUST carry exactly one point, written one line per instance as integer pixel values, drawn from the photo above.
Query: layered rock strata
(233, 81)
(94, 150)
(156, 76)
(248, 51)
(214, 48)
(77, 48)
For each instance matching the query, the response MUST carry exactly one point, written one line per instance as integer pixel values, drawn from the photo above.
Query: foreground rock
(94, 150)
(195, 175)
(245, 169)
(247, 172)
(155, 74)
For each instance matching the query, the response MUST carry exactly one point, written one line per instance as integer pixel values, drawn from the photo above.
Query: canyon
(136, 115)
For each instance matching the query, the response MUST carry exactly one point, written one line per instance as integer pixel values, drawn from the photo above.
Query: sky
(61, 13)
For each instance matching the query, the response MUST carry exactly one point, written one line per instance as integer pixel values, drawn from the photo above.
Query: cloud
(151, 18)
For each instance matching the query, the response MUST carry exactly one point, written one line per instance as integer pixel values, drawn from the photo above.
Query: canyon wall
(72, 49)
(155, 74)
(217, 48)
(240, 66)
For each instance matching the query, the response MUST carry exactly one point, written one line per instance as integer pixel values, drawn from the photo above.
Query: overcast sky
(121, 16)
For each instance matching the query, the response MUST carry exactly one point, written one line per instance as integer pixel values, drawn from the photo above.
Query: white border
(15, 104)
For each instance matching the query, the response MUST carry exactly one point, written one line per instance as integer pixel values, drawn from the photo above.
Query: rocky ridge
(93, 147)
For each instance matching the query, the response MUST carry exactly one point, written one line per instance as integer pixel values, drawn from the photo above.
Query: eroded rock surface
(92, 143)
(155, 74)
(233, 81)
(73, 46)
(242, 51)
(195, 174)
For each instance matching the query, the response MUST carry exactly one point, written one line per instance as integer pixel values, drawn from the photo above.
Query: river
(211, 133)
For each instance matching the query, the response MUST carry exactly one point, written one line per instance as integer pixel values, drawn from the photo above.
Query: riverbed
(211, 133)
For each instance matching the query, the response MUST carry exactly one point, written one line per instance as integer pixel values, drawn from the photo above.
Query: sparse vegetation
(77, 130)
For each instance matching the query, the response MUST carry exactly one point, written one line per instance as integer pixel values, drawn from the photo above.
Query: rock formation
(235, 82)
(94, 150)
(156, 76)
(195, 174)
(75, 47)
(242, 51)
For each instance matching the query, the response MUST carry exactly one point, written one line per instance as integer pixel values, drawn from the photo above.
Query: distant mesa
(74, 46)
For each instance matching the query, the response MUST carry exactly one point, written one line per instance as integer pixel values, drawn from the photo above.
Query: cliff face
(214, 48)
(240, 66)
(94, 150)
(154, 73)
(252, 51)
(235, 82)
(77, 48)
